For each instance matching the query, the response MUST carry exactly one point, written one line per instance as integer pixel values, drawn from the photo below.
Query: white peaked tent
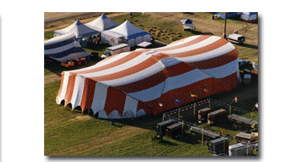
(102, 23)
(78, 29)
(131, 33)
(64, 48)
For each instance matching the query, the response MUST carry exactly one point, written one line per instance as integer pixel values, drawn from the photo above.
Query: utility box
(174, 130)
(220, 145)
(203, 134)
(242, 122)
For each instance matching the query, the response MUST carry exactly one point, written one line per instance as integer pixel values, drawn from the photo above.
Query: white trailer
(110, 51)
(111, 38)
(241, 149)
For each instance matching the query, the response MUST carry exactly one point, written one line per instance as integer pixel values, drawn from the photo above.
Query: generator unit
(174, 130)
(202, 115)
(219, 145)
(161, 128)
(218, 116)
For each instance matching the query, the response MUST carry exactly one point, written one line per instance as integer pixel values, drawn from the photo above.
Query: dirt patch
(83, 118)
(51, 78)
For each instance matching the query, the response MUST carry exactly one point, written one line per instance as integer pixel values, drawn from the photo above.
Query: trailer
(219, 145)
(243, 137)
(203, 135)
(174, 130)
(241, 149)
(218, 116)
(161, 128)
(202, 114)
(110, 51)
(236, 38)
(242, 122)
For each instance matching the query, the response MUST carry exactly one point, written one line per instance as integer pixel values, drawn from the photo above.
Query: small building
(203, 134)
(243, 137)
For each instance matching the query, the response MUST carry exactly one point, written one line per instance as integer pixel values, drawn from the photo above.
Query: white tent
(64, 48)
(249, 16)
(78, 29)
(102, 23)
(131, 33)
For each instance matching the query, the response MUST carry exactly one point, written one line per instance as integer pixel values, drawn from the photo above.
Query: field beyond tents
(71, 133)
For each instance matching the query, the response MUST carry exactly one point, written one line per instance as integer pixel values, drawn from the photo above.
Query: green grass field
(71, 133)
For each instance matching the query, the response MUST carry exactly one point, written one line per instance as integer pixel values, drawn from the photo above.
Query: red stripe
(88, 94)
(249, 20)
(115, 101)
(214, 86)
(178, 69)
(69, 89)
(139, 67)
(203, 49)
(115, 63)
(146, 83)
(197, 40)
(147, 110)
(217, 61)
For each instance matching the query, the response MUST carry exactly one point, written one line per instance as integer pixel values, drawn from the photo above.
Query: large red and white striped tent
(150, 81)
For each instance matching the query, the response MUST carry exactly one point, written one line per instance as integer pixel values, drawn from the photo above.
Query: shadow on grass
(249, 46)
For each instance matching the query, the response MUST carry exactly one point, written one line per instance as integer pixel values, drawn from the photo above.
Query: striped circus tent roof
(64, 48)
(137, 83)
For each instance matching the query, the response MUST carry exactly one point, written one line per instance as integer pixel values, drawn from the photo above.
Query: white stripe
(148, 94)
(104, 62)
(208, 55)
(184, 79)
(224, 70)
(151, 70)
(169, 61)
(78, 91)
(137, 60)
(201, 44)
(64, 85)
(130, 105)
(59, 49)
(100, 96)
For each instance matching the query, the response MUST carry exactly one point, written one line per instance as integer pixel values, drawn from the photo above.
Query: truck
(236, 38)
(111, 38)
(218, 116)
(241, 149)
(219, 145)
(241, 122)
(110, 51)
(202, 114)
